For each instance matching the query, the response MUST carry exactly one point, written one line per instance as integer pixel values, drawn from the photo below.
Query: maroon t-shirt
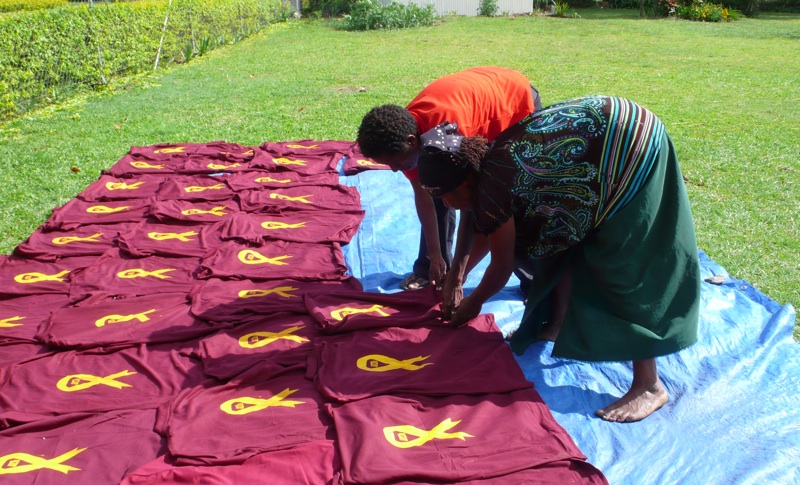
(151, 238)
(436, 361)
(21, 276)
(98, 380)
(233, 300)
(158, 318)
(79, 449)
(20, 317)
(88, 240)
(450, 439)
(355, 162)
(302, 197)
(281, 338)
(275, 260)
(275, 180)
(345, 311)
(118, 274)
(264, 409)
(312, 463)
(307, 147)
(305, 226)
(300, 163)
(195, 187)
(108, 187)
(76, 213)
(135, 165)
(171, 211)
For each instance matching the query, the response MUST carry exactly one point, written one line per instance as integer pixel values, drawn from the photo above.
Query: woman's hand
(466, 311)
(452, 294)
(438, 269)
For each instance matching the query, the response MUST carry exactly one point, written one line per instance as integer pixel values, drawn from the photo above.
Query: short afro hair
(384, 130)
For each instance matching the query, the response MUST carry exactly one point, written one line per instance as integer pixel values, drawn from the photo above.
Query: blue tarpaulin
(734, 410)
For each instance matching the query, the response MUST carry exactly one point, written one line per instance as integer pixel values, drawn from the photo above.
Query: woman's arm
(430, 228)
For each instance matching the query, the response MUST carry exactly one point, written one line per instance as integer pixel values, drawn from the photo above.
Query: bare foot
(549, 331)
(638, 403)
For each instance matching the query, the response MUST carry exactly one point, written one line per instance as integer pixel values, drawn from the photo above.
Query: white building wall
(470, 7)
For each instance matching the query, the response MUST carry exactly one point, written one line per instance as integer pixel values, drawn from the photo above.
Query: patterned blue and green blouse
(564, 170)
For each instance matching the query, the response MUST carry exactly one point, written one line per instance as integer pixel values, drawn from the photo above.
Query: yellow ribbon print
(109, 319)
(246, 405)
(399, 435)
(281, 225)
(6, 322)
(286, 161)
(141, 273)
(299, 198)
(123, 185)
(270, 179)
(143, 165)
(79, 382)
(104, 209)
(301, 146)
(248, 152)
(166, 236)
(259, 339)
(71, 239)
(36, 277)
(216, 211)
(368, 163)
(278, 290)
(200, 188)
(248, 256)
(383, 363)
(171, 150)
(343, 312)
(10, 464)
(218, 166)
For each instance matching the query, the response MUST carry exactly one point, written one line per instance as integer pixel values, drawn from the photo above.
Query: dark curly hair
(384, 130)
(473, 149)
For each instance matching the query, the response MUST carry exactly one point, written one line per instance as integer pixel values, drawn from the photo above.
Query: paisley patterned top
(564, 170)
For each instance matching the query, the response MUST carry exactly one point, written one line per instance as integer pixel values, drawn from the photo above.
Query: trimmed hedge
(17, 5)
(47, 51)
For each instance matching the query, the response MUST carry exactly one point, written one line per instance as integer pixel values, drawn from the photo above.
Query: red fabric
(134, 165)
(13, 352)
(275, 260)
(151, 238)
(300, 163)
(197, 164)
(22, 276)
(100, 380)
(89, 240)
(76, 213)
(428, 361)
(275, 180)
(338, 312)
(305, 226)
(195, 187)
(355, 162)
(281, 338)
(310, 463)
(450, 439)
(306, 147)
(171, 211)
(116, 188)
(78, 449)
(117, 274)
(20, 317)
(159, 318)
(231, 301)
(264, 409)
(306, 197)
(218, 150)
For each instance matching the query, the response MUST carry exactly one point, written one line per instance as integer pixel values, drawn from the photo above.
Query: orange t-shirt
(482, 100)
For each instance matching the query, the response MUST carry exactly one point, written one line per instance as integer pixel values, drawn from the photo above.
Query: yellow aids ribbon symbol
(367, 163)
(299, 198)
(270, 179)
(79, 382)
(200, 188)
(279, 290)
(103, 209)
(217, 211)
(165, 236)
(248, 152)
(382, 363)
(71, 239)
(36, 277)
(123, 185)
(286, 161)
(6, 322)
(10, 464)
(398, 435)
(171, 150)
(281, 225)
(246, 405)
(259, 339)
(217, 166)
(141, 273)
(109, 319)
(143, 165)
(343, 312)
(248, 256)
(301, 146)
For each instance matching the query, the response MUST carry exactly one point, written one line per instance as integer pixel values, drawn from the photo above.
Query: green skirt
(635, 280)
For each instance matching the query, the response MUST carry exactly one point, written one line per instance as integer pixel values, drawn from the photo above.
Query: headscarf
(440, 168)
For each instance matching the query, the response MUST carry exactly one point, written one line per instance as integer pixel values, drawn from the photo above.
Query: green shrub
(17, 5)
(700, 11)
(370, 15)
(488, 8)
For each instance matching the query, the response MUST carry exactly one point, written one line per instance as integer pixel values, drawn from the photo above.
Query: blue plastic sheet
(734, 410)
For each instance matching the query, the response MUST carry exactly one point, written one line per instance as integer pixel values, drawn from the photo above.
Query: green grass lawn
(728, 94)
